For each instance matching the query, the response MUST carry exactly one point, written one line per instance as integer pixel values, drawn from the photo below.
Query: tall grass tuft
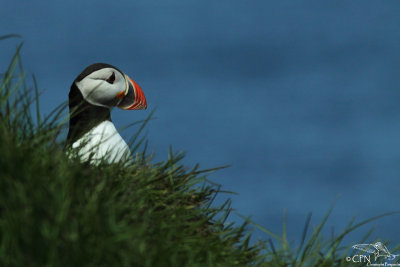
(58, 211)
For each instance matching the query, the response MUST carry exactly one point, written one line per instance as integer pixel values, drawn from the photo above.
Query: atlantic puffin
(94, 92)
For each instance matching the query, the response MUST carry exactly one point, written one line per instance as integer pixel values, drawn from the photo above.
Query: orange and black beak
(133, 97)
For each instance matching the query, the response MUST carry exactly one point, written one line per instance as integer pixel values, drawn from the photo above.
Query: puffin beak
(133, 97)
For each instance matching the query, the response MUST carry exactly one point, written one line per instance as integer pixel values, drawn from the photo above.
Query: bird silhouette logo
(378, 249)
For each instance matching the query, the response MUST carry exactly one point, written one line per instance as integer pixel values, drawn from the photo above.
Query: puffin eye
(111, 79)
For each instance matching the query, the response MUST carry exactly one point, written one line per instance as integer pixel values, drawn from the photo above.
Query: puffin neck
(83, 116)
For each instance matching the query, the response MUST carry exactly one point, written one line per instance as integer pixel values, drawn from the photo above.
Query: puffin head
(93, 94)
(104, 85)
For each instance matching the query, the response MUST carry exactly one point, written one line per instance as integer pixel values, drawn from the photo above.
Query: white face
(103, 87)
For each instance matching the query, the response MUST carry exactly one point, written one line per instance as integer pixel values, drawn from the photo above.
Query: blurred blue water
(301, 98)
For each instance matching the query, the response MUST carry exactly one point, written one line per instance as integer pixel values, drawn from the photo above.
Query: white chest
(102, 142)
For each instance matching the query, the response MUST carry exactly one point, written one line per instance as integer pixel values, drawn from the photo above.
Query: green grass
(57, 211)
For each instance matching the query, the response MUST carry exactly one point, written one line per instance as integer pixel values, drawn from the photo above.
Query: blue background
(301, 97)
